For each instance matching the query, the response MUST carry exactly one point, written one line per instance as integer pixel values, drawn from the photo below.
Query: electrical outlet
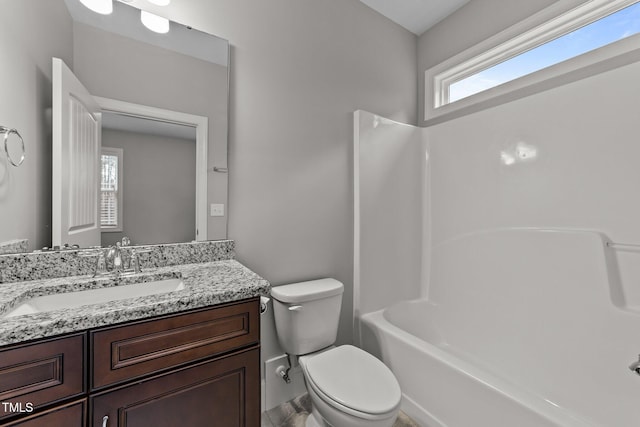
(217, 209)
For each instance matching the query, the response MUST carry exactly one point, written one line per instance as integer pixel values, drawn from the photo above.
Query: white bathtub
(520, 328)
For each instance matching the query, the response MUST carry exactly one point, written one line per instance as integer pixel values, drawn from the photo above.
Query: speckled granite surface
(205, 284)
(47, 265)
(14, 246)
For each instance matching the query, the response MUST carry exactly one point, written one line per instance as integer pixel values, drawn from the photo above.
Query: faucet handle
(100, 267)
(134, 260)
(101, 264)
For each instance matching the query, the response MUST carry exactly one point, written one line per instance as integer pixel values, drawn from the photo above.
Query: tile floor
(294, 413)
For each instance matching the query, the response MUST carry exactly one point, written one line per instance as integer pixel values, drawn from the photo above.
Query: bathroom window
(111, 189)
(549, 44)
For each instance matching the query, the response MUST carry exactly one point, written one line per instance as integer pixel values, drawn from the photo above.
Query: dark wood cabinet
(221, 392)
(123, 353)
(194, 369)
(69, 415)
(42, 373)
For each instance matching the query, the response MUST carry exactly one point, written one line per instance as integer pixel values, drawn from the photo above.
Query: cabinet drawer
(38, 374)
(223, 392)
(122, 353)
(69, 415)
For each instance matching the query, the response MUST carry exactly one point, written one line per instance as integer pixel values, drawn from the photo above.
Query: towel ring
(7, 133)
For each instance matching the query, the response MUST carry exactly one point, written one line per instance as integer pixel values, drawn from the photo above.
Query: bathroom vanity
(184, 369)
(185, 358)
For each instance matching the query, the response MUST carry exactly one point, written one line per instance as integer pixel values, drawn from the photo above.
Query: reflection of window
(111, 189)
(590, 26)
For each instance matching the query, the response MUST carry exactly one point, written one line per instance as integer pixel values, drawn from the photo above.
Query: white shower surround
(561, 350)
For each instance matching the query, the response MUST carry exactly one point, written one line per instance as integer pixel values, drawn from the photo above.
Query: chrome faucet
(114, 257)
(635, 366)
(113, 260)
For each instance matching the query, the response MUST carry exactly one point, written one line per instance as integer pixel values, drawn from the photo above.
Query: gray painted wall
(25, 192)
(117, 67)
(159, 184)
(299, 69)
(469, 25)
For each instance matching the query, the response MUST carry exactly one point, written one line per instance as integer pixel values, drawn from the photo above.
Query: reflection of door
(76, 156)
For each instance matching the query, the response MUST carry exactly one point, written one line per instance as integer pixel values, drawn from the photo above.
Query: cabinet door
(223, 392)
(69, 415)
(122, 353)
(41, 374)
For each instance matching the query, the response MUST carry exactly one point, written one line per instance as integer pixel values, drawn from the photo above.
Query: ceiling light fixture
(103, 7)
(160, 2)
(155, 23)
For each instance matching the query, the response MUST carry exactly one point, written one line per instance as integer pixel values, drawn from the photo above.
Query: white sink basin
(94, 296)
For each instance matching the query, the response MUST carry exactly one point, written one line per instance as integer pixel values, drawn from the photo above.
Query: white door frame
(200, 123)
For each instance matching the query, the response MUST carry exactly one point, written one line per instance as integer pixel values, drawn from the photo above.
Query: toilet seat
(353, 381)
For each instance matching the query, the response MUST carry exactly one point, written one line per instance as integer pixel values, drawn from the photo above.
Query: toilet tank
(307, 314)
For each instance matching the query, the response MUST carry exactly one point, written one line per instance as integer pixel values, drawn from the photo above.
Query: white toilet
(348, 386)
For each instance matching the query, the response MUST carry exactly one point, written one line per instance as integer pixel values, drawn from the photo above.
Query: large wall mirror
(163, 98)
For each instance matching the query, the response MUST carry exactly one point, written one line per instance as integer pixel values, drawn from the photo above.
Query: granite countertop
(205, 284)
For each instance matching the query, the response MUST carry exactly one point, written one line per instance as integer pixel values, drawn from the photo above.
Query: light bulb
(103, 7)
(155, 23)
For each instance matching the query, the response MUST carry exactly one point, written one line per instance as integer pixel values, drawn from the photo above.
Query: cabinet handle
(105, 420)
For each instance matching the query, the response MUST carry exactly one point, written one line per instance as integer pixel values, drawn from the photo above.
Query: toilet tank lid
(307, 291)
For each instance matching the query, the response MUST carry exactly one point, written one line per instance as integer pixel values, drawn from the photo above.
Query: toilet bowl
(348, 386)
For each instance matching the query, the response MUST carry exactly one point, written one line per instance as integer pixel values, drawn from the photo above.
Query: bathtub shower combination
(509, 327)
(520, 328)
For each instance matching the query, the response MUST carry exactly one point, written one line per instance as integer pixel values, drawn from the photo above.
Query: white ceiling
(416, 16)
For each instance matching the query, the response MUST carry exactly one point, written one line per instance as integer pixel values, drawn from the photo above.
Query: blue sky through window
(621, 24)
